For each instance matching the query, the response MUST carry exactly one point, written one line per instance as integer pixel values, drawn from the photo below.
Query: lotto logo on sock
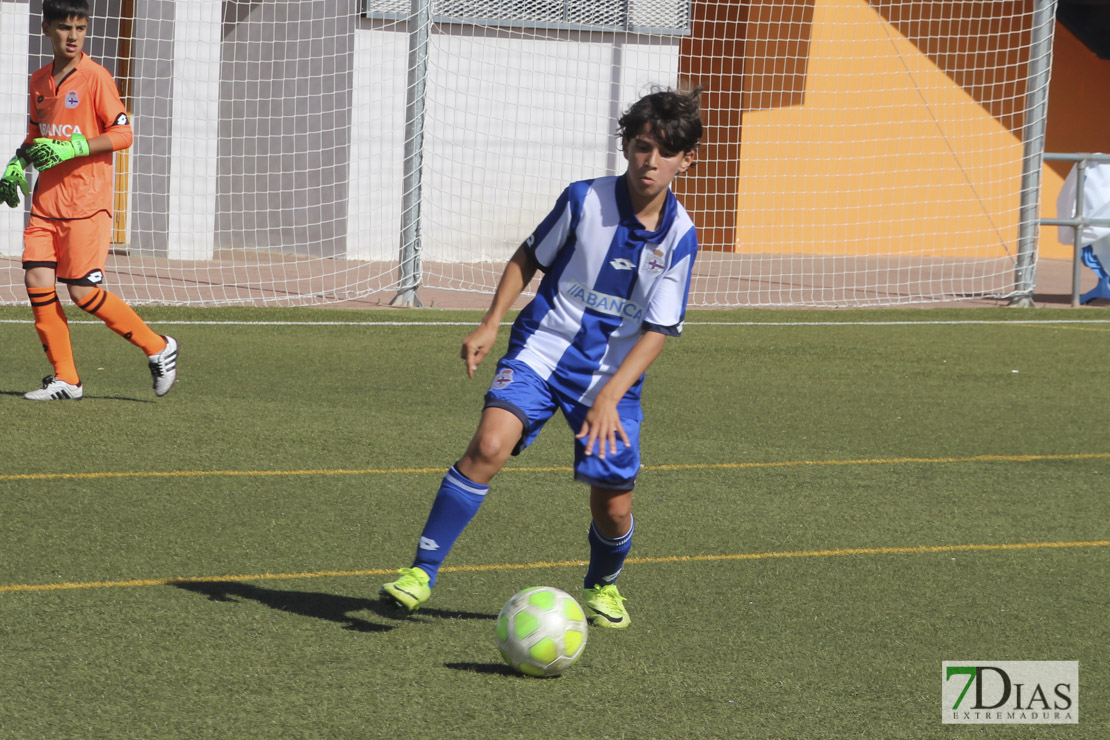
(1029, 692)
(427, 543)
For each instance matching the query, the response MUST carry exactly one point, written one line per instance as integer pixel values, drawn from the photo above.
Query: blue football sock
(607, 556)
(456, 503)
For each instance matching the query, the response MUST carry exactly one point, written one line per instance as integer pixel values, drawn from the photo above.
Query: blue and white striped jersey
(606, 280)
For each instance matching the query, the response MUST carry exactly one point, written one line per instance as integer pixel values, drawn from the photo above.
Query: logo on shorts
(94, 277)
(72, 101)
(121, 120)
(502, 380)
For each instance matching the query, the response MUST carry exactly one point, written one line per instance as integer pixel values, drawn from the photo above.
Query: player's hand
(14, 178)
(47, 153)
(603, 426)
(476, 346)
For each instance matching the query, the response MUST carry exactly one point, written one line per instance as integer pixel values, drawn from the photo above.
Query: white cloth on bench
(1096, 204)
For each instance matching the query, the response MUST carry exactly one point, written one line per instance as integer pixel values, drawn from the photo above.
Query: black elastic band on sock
(87, 305)
(43, 299)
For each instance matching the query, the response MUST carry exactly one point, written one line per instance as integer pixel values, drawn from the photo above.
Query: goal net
(301, 152)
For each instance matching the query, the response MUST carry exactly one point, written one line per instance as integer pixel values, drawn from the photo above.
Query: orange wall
(885, 152)
(876, 127)
(711, 57)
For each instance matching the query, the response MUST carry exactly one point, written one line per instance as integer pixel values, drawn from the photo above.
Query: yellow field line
(917, 550)
(883, 461)
(212, 473)
(411, 471)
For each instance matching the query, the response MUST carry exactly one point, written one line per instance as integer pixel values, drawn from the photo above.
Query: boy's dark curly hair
(675, 119)
(60, 10)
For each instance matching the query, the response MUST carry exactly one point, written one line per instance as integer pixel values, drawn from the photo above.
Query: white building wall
(14, 52)
(195, 126)
(377, 145)
(509, 123)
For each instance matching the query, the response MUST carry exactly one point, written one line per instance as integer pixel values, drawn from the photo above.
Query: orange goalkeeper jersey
(85, 101)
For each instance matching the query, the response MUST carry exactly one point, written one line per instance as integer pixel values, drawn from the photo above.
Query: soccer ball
(541, 631)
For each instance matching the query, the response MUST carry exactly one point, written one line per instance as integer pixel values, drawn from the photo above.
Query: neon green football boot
(605, 607)
(409, 591)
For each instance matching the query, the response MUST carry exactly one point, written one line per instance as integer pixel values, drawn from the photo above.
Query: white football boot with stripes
(163, 367)
(56, 390)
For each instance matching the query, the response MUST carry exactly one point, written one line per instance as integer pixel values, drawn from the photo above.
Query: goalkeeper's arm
(14, 179)
(47, 153)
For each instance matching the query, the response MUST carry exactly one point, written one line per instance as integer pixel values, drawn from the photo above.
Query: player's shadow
(329, 607)
(496, 669)
(90, 397)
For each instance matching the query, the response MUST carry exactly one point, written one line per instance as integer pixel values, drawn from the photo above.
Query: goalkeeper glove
(47, 153)
(14, 178)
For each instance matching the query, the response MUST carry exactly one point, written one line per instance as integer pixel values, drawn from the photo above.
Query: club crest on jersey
(503, 379)
(72, 101)
(654, 264)
(620, 263)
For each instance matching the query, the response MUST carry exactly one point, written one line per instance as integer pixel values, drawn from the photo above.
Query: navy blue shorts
(519, 389)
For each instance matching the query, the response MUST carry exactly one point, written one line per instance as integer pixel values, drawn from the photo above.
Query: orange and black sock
(53, 330)
(123, 320)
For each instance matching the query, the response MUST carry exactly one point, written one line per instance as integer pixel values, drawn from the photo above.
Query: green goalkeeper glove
(14, 178)
(47, 153)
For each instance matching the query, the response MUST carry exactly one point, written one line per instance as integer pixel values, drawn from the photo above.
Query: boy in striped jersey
(617, 255)
(77, 121)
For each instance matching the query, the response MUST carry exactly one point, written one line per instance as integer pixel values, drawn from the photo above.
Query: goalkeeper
(617, 255)
(77, 121)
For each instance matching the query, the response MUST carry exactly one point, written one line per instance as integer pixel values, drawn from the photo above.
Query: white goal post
(306, 152)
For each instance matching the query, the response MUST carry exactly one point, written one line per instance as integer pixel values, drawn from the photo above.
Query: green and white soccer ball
(541, 631)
